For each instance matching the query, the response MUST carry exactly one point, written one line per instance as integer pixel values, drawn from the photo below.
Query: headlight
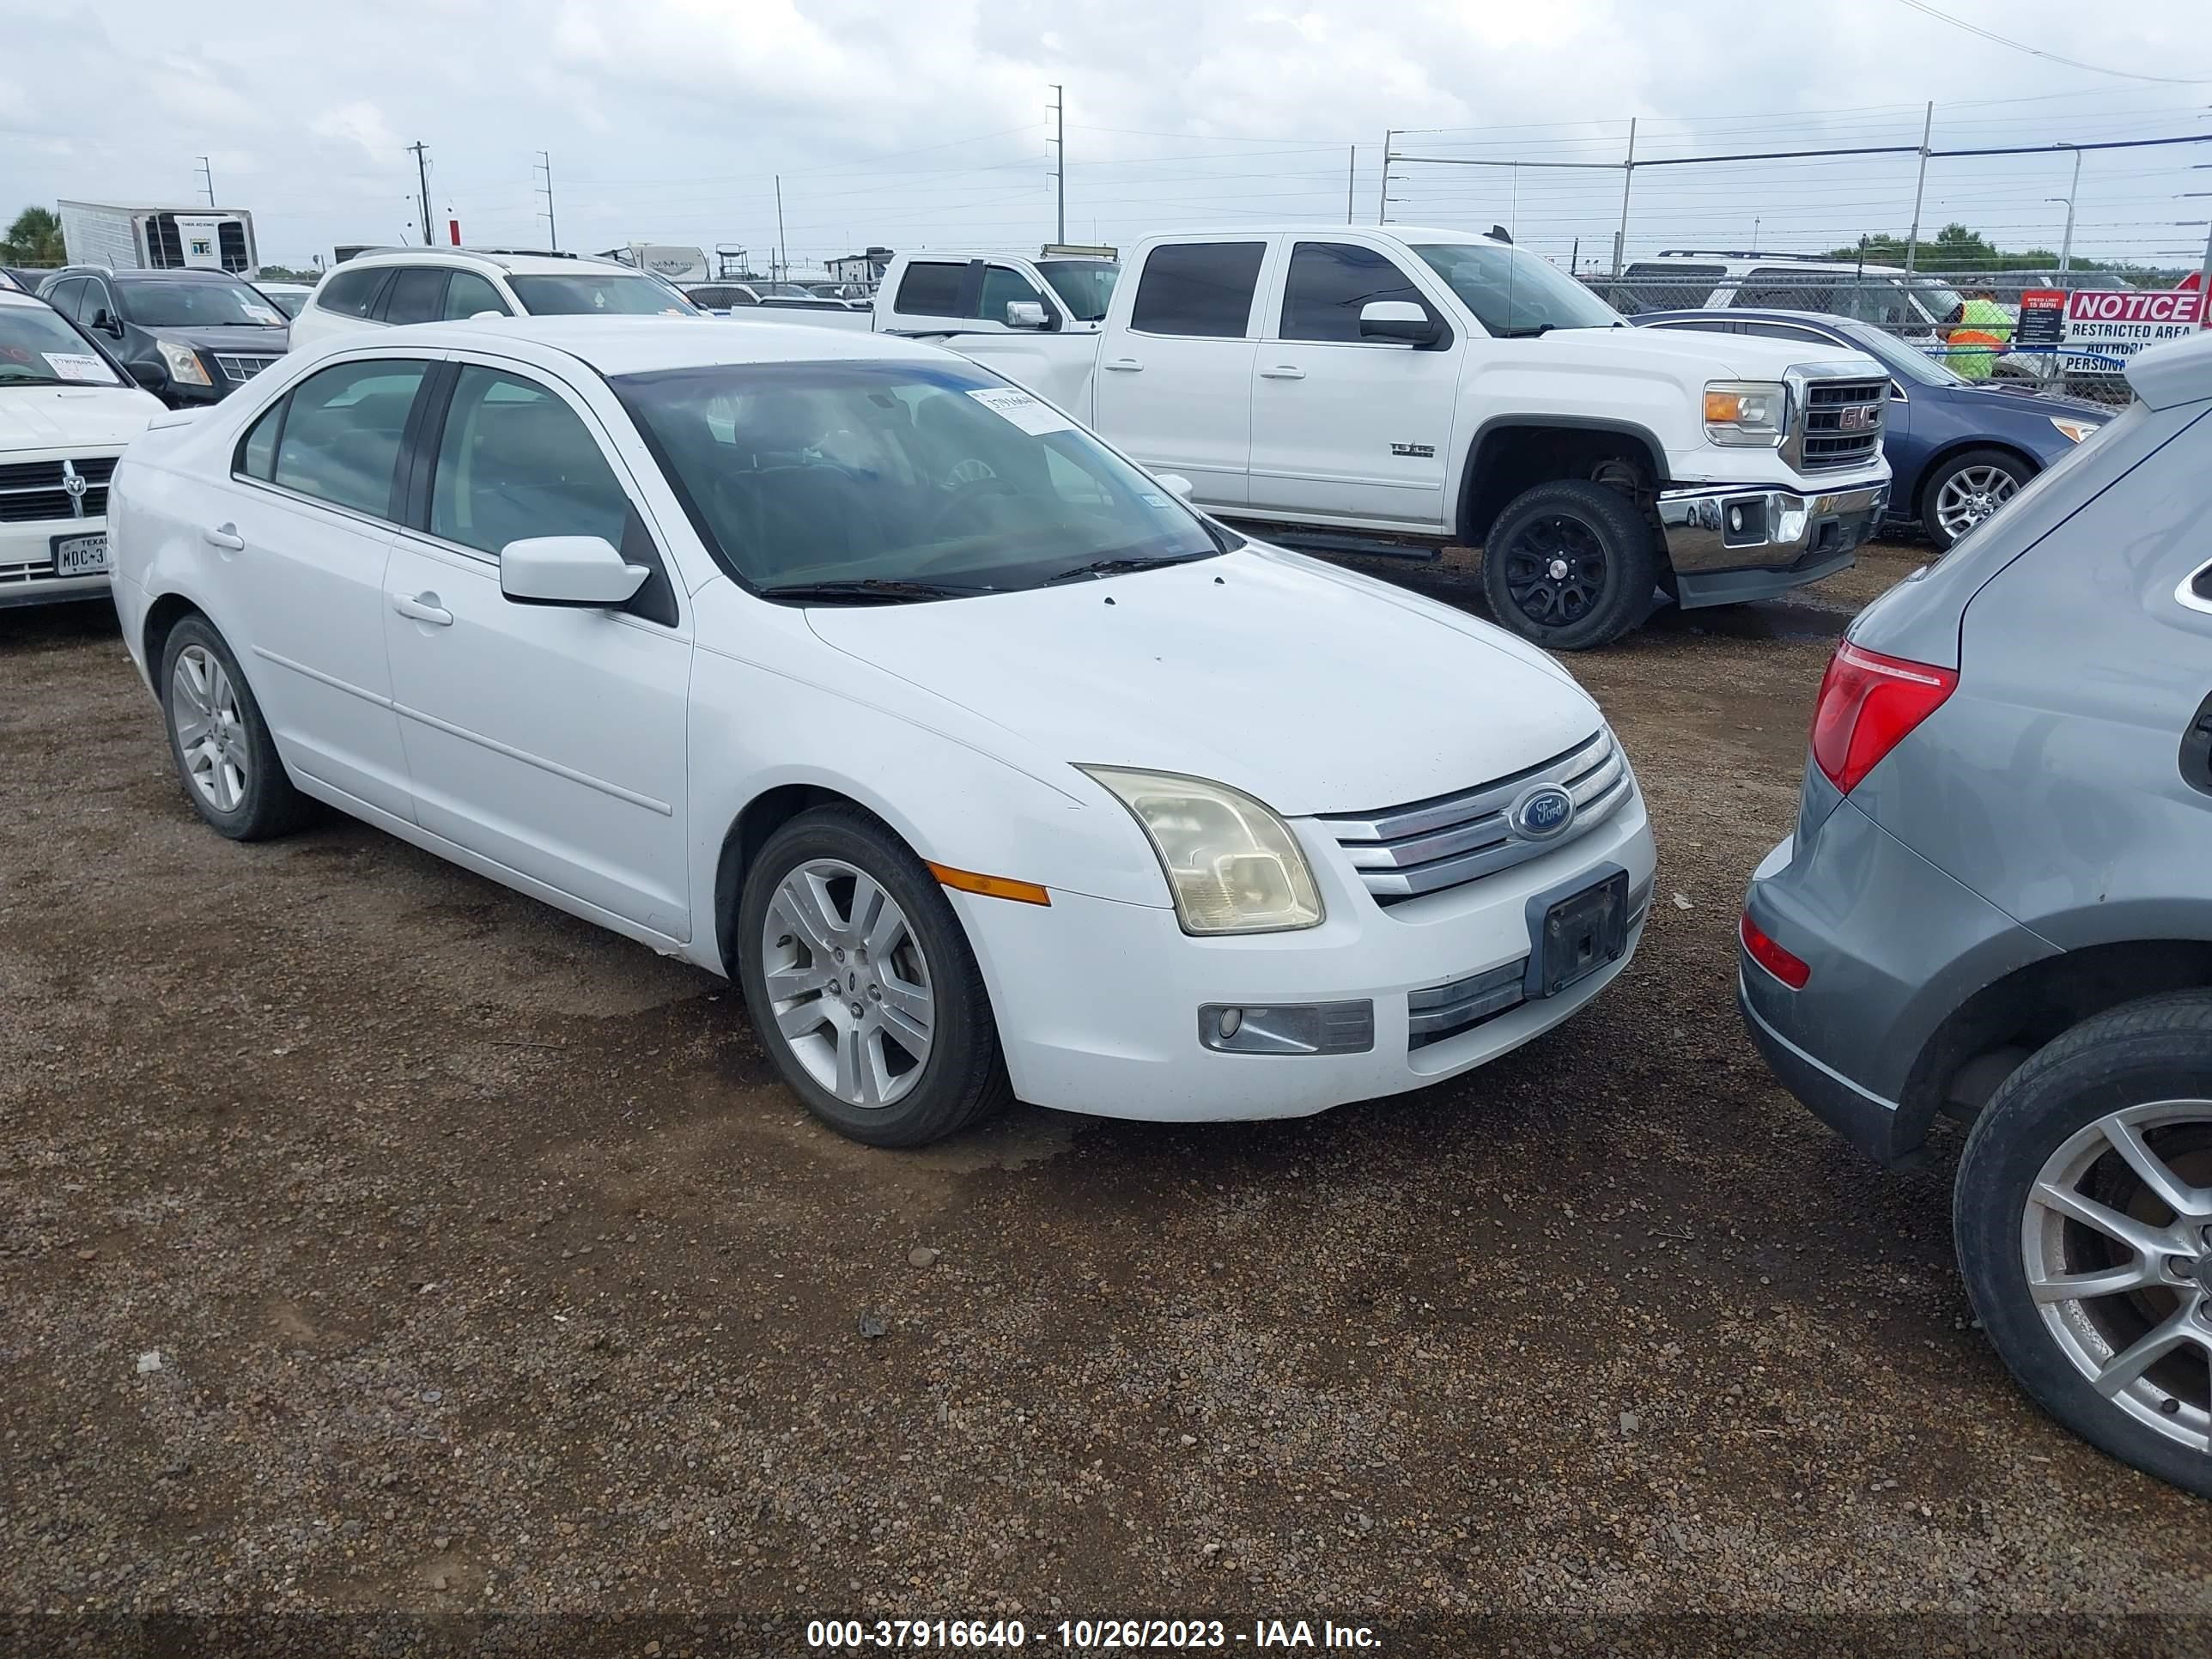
(1746, 413)
(185, 365)
(2074, 431)
(1233, 866)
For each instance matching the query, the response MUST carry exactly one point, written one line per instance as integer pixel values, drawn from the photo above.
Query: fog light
(1293, 1027)
(1735, 517)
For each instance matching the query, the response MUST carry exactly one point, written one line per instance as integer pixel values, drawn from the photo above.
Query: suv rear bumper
(1729, 543)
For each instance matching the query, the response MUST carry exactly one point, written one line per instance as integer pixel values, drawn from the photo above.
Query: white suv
(1912, 307)
(432, 284)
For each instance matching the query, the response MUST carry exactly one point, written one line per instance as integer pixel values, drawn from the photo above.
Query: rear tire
(1570, 565)
(1966, 488)
(2068, 1136)
(225, 756)
(861, 984)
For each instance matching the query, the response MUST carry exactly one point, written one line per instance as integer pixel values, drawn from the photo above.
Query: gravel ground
(376, 1241)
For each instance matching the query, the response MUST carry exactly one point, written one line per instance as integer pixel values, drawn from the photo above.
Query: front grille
(239, 366)
(33, 491)
(1404, 852)
(1826, 445)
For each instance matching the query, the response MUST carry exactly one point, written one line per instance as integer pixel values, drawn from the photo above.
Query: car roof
(15, 296)
(2173, 372)
(633, 345)
(512, 265)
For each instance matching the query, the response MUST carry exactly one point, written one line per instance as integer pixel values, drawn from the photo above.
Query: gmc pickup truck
(1392, 389)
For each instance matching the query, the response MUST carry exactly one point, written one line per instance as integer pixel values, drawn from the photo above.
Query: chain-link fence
(1924, 312)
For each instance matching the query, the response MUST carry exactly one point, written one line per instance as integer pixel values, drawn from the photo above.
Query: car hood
(1313, 689)
(2027, 400)
(255, 340)
(1720, 357)
(66, 417)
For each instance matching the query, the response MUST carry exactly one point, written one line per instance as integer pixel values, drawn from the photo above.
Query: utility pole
(1912, 236)
(2072, 192)
(1382, 184)
(552, 227)
(207, 179)
(1060, 150)
(1351, 178)
(783, 253)
(1628, 178)
(422, 177)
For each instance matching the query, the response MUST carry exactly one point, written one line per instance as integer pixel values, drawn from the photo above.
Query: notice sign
(2106, 326)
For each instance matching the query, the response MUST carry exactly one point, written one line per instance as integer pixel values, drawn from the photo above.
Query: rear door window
(1202, 289)
(417, 295)
(930, 289)
(339, 438)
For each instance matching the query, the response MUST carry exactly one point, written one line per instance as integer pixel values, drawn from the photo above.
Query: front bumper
(1731, 543)
(1097, 1002)
(26, 570)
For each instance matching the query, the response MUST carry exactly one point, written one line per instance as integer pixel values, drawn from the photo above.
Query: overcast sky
(924, 122)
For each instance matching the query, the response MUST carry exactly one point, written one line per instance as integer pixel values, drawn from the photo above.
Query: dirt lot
(487, 1269)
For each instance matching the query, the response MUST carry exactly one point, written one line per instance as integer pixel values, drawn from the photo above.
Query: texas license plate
(1581, 933)
(80, 556)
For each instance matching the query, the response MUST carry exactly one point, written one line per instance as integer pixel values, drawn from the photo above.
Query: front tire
(1570, 565)
(2083, 1217)
(861, 984)
(225, 756)
(1967, 489)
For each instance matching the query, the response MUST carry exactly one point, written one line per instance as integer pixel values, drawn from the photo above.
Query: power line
(1925, 10)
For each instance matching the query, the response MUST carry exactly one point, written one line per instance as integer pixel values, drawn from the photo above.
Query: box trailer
(160, 237)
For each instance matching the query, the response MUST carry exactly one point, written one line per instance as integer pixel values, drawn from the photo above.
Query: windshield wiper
(1121, 565)
(871, 589)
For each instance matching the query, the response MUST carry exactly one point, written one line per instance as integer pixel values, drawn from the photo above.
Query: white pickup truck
(1395, 390)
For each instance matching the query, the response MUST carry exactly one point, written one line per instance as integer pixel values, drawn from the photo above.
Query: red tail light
(1868, 703)
(1792, 971)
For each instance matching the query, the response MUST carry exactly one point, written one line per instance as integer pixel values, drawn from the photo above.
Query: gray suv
(1998, 905)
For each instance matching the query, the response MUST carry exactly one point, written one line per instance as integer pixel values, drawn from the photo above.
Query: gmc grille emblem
(1858, 417)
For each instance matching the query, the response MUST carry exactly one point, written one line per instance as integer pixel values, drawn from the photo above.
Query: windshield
(783, 291)
(798, 474)
(1085, 285)
(286, 300)
(1899, 359)
(37, 347)
(1514, 294)
(607, 294)
(197, 304)
(1939, 299)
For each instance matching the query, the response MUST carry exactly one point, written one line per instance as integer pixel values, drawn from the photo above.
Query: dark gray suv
(1998, 905)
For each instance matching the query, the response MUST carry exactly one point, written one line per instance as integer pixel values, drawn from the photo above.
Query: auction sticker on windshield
(1025, 411)
(78, 366)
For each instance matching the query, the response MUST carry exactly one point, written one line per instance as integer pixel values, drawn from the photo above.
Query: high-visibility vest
(1984, 330)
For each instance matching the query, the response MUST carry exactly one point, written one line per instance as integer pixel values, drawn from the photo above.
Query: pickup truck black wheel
(2084, 1216)
(1570, 565)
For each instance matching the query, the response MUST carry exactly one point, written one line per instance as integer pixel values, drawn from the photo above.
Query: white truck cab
(1360, 389)
(1059, 291)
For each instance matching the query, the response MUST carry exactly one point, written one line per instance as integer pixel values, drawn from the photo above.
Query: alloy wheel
(1970, 495)
(847, 982)
(1555, 570)
(210, 728)
(2116, 1237)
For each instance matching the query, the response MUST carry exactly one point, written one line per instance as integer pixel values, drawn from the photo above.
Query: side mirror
(1400, 320)
(107, 322)
(1026, 313)
(1176, 484)
(584, 571)
(153, 375)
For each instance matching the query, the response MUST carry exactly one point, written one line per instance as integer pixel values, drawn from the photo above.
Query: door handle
(422, 608)
(226, 537)
(1282, 372)
(1126, 365)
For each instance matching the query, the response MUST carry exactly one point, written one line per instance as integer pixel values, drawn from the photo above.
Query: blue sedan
(1956, 450)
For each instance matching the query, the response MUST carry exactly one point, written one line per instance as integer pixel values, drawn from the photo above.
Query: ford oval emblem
(1543, 813)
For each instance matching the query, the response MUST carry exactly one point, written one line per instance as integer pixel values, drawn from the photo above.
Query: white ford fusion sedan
(836, 665)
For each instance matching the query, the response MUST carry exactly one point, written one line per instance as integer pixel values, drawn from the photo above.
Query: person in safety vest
(1982, 329)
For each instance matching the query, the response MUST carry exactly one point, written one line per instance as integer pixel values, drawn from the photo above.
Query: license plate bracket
(1575, 930)
(80, 556)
